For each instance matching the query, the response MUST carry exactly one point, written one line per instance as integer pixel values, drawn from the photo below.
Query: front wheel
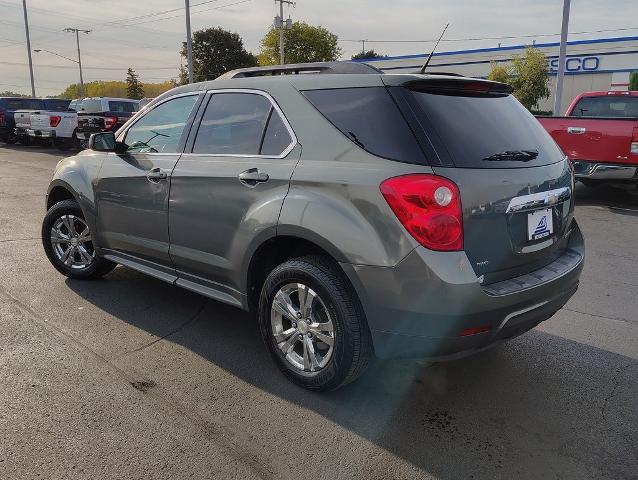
(313, 323)
(68, 243)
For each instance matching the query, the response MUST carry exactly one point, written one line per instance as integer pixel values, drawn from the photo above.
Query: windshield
(481, 131)
(609, 106)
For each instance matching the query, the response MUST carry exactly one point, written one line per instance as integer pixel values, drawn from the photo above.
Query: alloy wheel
(72, 243)
(302, 327)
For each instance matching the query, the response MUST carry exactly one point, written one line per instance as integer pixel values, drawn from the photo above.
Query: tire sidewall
(332, 374)
(66, 207)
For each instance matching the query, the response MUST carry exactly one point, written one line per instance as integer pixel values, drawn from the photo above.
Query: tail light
(634, 142)
(429, 207)
(1, 118)
(109, 122)
(54, 120)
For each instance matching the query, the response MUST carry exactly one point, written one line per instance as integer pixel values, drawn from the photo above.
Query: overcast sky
(123, 34)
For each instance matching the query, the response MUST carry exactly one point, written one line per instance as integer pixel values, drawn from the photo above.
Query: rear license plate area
(540, 224)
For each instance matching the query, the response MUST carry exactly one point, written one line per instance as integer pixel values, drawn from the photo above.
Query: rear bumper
(420, 307)
(604, 171)
(41, 133)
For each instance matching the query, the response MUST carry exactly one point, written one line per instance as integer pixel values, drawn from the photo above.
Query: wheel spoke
(86, 256)
(69, 223)
(327, 339)
(289, 344)
(309, 355)
(58, 237)
(67, 256)
(284, 306)
(306, 298)
(85, 235)
(321, 327)
(283, 336)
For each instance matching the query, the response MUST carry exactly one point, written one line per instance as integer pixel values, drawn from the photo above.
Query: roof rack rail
(301, 68)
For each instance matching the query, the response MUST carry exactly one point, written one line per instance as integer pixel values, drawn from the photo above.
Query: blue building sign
(576, 64)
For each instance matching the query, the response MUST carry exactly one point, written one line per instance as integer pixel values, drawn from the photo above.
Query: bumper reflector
(475, 330)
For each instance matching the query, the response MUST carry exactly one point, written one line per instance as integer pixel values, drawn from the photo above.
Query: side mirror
(105, 142)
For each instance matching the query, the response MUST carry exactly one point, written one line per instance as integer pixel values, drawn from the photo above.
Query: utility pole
(558, 99)
(363, 46)
(189, 41)
(26, 29)
(282, 26)
(77, 39)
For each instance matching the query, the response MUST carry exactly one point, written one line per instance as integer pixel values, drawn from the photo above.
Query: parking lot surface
(128, 377)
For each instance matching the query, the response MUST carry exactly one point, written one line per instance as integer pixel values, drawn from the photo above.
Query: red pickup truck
(599, 133)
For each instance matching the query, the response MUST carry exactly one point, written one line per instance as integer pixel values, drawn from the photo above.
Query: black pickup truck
(103, 114)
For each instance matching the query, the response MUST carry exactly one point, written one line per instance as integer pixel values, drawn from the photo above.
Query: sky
(130, 34)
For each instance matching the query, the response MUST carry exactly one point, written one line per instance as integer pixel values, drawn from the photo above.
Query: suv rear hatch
(92, 119)
(514, 182)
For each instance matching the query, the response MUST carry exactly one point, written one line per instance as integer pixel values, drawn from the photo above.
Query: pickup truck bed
(600, 135)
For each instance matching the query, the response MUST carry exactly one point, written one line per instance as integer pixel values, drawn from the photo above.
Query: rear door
(228, 188)
(132, 190)
(515, 185)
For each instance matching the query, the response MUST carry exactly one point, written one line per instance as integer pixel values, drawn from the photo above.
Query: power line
(85, 68)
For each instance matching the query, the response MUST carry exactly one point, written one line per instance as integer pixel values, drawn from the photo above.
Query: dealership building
(599, 64)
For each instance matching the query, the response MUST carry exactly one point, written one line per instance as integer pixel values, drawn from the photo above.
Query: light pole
(282, 26)
(558, 99)
(189, 42)
(26, 29)
(79, 62)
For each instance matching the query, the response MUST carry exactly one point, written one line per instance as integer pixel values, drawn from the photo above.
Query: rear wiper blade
(513, 156)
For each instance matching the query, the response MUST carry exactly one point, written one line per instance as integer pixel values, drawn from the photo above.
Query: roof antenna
(427, 62)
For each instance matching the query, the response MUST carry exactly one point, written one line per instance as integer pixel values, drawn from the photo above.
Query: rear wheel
(313, 323)
(24, 140)
(10, 138)
(68, 243)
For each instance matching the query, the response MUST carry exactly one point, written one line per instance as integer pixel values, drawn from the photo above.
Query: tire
(24, 140)
(334, 301)
(11, 138)
(78, 267)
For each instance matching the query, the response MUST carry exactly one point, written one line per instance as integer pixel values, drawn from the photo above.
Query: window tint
(611, 106)
(485, 131)
(119, 106)
(277, 138)
(161, 128)
(233, 123)
(371, 119)
(56, 105)
(24, 104)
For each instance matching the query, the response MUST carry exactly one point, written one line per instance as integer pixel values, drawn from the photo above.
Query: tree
(368, 54)
(114, 88)
(134, 88)
(303, 43)
(9, 93)
(215, 51)
(633, 81)
(528, 75)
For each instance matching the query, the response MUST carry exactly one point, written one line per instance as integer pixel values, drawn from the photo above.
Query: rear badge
(539, 224)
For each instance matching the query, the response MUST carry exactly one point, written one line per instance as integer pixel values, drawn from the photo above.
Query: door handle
(252, 177)
(576, 130)
(157, 174)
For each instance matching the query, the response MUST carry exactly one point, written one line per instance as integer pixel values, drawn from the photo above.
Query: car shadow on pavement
(618, 198)
(504, 413)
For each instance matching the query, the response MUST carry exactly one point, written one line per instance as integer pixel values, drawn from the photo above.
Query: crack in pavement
(220, 435)
(615, 381)
(169, 334)
(618, 319)
(19, 239)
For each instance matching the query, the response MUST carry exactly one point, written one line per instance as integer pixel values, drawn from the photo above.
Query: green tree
(368, 54)
(134, 88)
(528, 75)
(9, 93)
(215, 51)
(633, 81)
(303, 43)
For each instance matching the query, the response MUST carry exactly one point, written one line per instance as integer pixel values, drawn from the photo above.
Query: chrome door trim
(274, 104)
(538, 200)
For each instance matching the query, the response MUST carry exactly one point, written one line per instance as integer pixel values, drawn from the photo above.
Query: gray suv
(355, 213)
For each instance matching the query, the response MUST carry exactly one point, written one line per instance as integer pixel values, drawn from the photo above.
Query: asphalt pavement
(131, 378)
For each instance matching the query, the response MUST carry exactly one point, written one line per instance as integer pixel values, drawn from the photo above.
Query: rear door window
(125, 107)
(484, 131)
(233, 124)
(369, 117)
(610, 106)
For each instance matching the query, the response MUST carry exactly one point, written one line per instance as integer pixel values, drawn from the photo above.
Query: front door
(228, 188)
(132, 190)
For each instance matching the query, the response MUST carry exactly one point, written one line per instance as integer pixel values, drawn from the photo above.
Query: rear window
(91, 106)
(127, 107)
(57, 105)
(610, 106)
(369, 117)
(480, 131)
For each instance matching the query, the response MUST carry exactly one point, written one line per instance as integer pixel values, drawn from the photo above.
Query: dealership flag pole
(558, 99)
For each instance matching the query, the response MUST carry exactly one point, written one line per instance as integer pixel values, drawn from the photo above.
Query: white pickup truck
(58, 126)
(23, 118)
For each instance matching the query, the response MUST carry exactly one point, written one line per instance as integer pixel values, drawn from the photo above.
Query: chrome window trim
(274, 105)
(144, 112)
(539, 200)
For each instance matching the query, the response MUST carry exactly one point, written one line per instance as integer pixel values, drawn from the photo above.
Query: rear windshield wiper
(513, 156)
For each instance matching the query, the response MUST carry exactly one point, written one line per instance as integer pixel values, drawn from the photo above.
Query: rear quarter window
(127, 107)
(369, 117)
